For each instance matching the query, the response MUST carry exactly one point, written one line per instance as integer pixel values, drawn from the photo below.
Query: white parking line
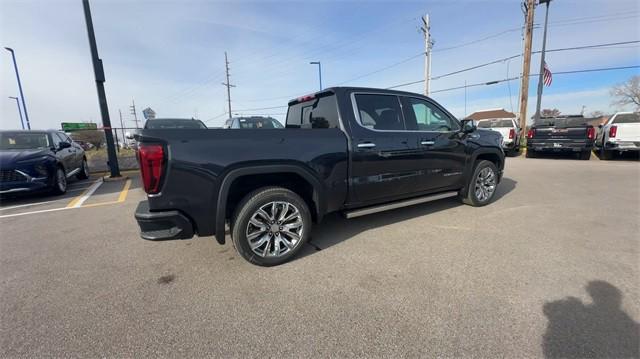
(31, 204)
(85, 196)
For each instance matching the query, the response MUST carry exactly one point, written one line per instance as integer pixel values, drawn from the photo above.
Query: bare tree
(627, 93)
(550, 112)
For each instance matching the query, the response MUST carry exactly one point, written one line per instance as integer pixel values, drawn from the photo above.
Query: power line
(534, 52)
(382, 69)
(261, 108)
(216, 117)
(533, 75)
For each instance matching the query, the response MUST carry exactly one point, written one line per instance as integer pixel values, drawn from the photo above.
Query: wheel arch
(313, 193)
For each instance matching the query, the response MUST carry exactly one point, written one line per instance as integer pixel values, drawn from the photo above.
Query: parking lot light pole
(319, 71)
(24, 105)
(19, 111)
(98, 71)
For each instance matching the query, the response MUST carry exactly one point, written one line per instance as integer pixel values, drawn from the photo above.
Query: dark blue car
(39, 160)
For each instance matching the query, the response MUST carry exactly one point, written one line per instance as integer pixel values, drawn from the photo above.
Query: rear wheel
(60, 181)
(270, 226)
(482, 185)
(605, 154)
(585, 155)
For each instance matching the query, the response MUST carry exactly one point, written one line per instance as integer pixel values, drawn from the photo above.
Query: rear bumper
(622, 146)
(558, 145)
(162, 225)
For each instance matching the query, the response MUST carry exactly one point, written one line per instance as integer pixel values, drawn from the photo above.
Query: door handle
(428, 143)
(366, 145)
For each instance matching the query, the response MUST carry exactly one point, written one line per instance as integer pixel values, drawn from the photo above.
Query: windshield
(259, 123)
(562, 122)
(23, 141)
(495, 123)
(174, 124)
(627, 118)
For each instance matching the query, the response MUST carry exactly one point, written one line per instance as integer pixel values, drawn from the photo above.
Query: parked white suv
(508, 128)
(620, 134)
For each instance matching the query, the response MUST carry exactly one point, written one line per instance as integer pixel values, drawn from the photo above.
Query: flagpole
(542, 63)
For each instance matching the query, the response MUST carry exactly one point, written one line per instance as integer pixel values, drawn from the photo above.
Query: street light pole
(19, 111)
(319, 71)
(98, 71)
(24, 105)
(544, 46)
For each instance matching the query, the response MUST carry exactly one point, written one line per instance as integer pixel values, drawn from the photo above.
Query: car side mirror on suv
(468, 125)
(62, 145)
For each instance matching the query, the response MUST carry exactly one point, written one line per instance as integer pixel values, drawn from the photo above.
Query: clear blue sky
(169, 55)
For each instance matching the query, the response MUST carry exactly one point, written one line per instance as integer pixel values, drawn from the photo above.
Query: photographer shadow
(597, 330)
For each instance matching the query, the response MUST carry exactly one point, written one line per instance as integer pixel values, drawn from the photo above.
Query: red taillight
(151, 166)
(531, 133)
(306, 98)
(591, 133)
(512, 133)
(613, 131)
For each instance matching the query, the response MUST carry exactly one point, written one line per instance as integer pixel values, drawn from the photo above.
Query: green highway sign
(78, 126)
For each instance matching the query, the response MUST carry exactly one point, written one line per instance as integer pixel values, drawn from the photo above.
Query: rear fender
(221, 208)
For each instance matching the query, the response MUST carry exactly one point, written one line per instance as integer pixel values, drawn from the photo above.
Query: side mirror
(128, 135)
(468, 126)
(62, 145)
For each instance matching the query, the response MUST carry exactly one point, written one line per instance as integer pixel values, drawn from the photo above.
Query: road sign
(78, 126)
(148, 113)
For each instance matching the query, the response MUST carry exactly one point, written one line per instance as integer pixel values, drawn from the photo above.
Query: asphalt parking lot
(549, 269)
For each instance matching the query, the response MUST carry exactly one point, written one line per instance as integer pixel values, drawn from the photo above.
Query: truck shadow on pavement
(336, 229)
(597, 330)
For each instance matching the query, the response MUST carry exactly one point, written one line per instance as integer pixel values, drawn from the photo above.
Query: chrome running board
(394, 205)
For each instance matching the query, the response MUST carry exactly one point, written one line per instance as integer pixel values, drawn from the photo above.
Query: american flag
(547, 77)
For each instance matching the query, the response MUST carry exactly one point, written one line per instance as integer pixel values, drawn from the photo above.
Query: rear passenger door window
(379, 112)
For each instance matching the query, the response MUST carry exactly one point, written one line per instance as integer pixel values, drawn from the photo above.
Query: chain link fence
(95, 147)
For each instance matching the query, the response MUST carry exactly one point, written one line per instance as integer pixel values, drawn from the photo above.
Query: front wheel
(482, 185)
(270, 226)
(60, 181)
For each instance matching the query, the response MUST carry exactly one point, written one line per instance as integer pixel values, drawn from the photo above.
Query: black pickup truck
(561, 134)
(353, 150)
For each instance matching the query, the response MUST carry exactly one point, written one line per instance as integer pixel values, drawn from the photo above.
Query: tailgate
(558, 133)
(628, 132)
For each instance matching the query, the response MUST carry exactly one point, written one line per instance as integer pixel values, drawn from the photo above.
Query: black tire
(531, 154)
(585, 155)
(59, 181)
(249, 207)
(84, 170)
(469, 196)
(513, 152)
(605, 154)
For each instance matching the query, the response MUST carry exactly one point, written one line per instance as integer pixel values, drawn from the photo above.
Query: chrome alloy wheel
(485, 184)
(275, 229)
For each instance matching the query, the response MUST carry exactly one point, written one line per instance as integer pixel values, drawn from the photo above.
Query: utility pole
(98, 71)
(124, 138)
(133, 112)
(526, 67)
(227, 84)
(19, 111)
(544, 47)
(428, 44)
